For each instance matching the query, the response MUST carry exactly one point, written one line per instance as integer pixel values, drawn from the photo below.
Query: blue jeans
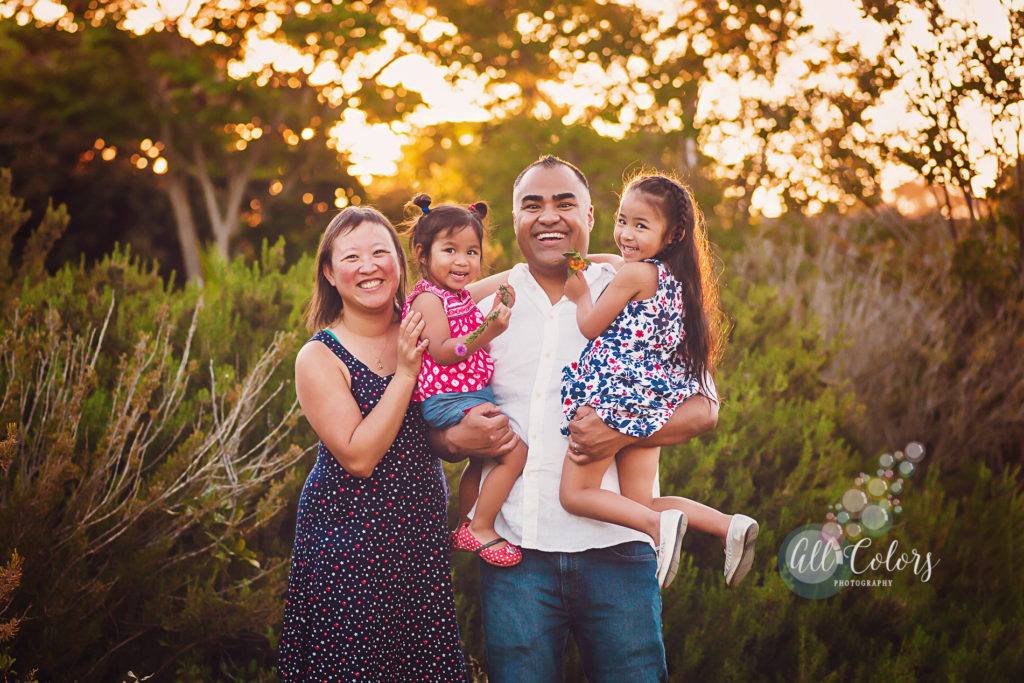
(608, 598)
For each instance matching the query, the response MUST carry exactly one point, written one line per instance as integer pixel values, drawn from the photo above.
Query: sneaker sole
(746, 558)
(673, 563)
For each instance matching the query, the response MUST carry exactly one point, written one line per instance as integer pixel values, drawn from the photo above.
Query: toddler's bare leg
(469, 488)
(494, 491)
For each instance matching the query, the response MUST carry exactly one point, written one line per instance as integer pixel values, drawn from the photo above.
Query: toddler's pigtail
(479, 209)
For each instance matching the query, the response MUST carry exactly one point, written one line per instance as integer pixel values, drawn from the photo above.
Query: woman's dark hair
(688, 256)
(432, 221)
(325, 306)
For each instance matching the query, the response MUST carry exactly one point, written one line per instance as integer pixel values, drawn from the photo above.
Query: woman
(369, 594)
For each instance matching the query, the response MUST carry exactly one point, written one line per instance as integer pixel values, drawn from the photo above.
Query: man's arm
(591, 439)
(483, 433)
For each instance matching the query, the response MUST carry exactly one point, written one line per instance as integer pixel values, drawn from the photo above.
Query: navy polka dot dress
(369, 593)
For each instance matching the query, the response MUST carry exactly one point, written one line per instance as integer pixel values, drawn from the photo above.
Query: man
(578, 575)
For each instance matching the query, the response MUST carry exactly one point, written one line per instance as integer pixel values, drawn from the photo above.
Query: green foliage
(152, 457)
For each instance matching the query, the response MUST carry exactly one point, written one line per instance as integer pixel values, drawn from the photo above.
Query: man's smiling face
(552, 215)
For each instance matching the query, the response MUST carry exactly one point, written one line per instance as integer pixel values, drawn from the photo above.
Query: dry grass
(925, 358)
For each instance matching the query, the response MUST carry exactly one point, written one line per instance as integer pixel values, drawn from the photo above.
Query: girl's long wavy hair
(325, 306)
(688, 256)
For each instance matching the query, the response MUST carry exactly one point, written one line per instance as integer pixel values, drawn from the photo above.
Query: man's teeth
(550, 236)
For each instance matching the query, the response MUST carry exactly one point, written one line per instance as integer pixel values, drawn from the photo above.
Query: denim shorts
(442, 411)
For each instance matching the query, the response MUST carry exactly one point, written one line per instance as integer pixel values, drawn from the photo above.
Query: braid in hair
(688, 257)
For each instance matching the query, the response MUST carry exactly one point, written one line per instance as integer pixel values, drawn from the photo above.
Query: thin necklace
(379, 362)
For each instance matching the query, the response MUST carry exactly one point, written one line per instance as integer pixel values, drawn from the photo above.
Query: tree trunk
(224, 219)
(185, 225)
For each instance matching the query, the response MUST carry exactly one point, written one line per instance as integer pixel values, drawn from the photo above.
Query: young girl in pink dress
(447, 243)
(654, 340)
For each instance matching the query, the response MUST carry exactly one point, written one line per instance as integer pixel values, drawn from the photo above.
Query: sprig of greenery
(506, 298)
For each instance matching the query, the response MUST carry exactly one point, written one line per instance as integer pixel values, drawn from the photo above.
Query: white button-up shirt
(528, 359)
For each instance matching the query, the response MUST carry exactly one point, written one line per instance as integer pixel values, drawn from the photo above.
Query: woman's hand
(576, 287)
(410, 347)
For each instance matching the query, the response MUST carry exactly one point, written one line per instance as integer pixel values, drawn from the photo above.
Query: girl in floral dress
(654, 335)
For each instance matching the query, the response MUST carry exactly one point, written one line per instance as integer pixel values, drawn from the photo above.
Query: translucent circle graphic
(810, 565)
(897, 487)
(854, 500)
(877, 487)
(875, 520)
(886, 460)
(907, 468)
(843, 517)
(853, 530)
(915, 451)
(832, 534)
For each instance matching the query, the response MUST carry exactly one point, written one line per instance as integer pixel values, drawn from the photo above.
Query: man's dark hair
(550, 161)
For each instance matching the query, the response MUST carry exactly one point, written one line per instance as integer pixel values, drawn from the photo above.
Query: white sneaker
(739, 548)
(673, 527)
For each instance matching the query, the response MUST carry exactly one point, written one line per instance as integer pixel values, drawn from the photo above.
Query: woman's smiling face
(364, 267)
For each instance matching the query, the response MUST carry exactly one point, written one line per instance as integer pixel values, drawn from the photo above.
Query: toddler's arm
(444, 348)
(481, 289)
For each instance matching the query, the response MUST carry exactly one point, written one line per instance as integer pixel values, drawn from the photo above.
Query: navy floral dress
(369, 593)
(632, 374)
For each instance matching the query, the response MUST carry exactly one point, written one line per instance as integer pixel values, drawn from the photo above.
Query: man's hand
(590, 439)
(483, 433)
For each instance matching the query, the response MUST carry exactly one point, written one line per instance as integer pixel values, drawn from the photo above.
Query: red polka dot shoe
(508, 556)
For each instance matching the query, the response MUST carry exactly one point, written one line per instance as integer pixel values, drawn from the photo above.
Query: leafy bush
(154, 457)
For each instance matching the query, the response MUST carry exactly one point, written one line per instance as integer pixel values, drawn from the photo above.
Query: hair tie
(425, 209)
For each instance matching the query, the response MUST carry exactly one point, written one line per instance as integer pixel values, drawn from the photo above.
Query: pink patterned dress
(472, 374)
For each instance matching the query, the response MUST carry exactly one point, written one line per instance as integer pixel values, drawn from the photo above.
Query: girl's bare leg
(494, 491)
(469, 488)
(637, 469)
(581, 494)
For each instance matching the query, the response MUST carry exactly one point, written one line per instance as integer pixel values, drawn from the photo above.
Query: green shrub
(154, 458)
